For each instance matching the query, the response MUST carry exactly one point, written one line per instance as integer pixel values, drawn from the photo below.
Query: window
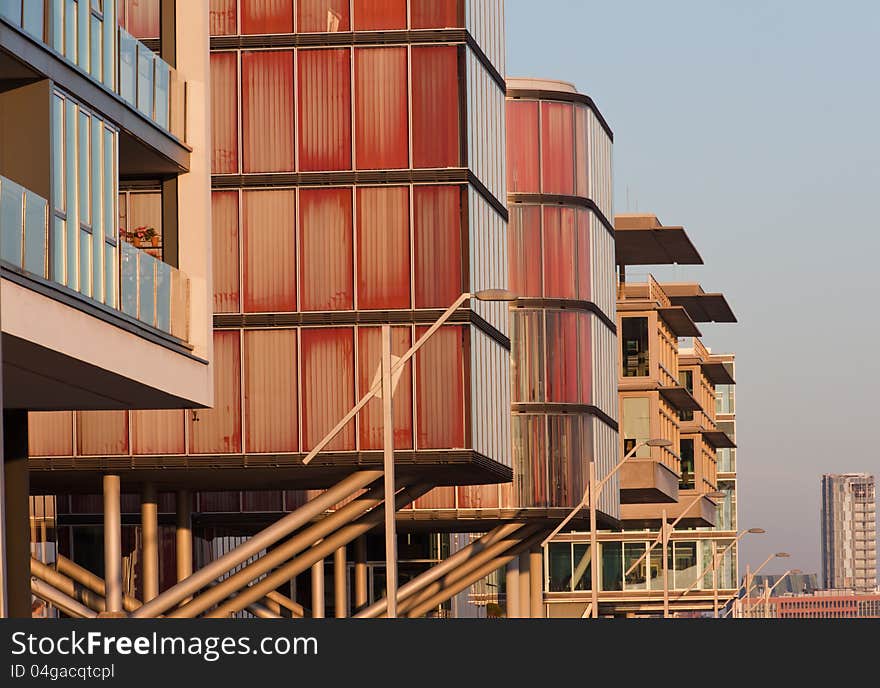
(324, 109)
(686, 380)
(522, 146)
(435, 108)
(438, 241)
(269, 260)
(322, 16)
(557, 148)
(686, 451)
(383, 247)
(267, 16)
(634, 347)
(326, 272)
(267, 111)
(380, 108)
(636, 424)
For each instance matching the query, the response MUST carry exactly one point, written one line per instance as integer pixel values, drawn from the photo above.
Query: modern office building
(91, 317)
(822, 604)
(849, 531)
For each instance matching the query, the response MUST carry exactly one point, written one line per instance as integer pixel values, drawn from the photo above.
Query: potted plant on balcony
(141, 236)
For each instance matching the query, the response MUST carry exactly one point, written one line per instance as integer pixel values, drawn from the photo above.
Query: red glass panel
(585, 357)
(581, 148)
(324, 109)
(222, 17)
(434, 14)
(440, 389)
(435, 115)
(524, 250)
(139, 17)
(438, 242)
(327, 385)
(383, 247)
(369, 365)
(321, 16)
(584, 255)
(522, 146)
(158, 432)
(218, 429)
(224, 250)
(50, 433)
(224, 113)
(438, 498)
(557, 148)
(560, 253)
(527, 356)
(101, 433)
(563, 456)
(562, 357)
(380, 108)
(375, 15)
(267, 16)
(529, 459)
(270, 390)
(268, 227)
(267, 111)
(326, 273)
(478, 497)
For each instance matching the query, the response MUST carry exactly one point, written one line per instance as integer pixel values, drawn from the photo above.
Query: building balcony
(647, 481)
(702, 513)
(116, 337)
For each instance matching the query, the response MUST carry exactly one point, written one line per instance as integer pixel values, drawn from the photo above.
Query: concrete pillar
(184, 535)
(536, 583)
(112, 544)
(360, 572)
(340, 597)
(524, 589)
(16, 524)
(150, 534)
(318, 589)
(511, 581)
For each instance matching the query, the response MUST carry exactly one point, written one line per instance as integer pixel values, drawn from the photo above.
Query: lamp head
(782, 555)
(658, 442)
(756, 531)
(495, 295)
(718, 494)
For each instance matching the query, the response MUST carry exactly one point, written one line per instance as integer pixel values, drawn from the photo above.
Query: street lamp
(594, 489)
(770, 589)
(716, 562)
(383, 388)
(750, 577)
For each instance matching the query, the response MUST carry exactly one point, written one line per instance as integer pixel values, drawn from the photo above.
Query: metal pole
(150, 534)
(340, 598)
(714, 582)
(512, 585)
(748, 588)
(318, 589)
(88, 579)
(390, 526)
(323, 549)
(62, 583)
(360, 572)
(665, 534)
(594, 546)
(184, 537)
(112, 545)
(262, 540)
(536, 579)
(66, 604)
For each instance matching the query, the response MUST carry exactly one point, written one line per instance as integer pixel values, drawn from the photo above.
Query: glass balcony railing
(151, 291)
(86, 34)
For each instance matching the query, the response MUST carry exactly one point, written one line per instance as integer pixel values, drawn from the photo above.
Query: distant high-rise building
(849, 531)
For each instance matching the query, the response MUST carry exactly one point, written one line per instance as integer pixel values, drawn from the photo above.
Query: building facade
(822, 604)
(849, 531)
(96, 314)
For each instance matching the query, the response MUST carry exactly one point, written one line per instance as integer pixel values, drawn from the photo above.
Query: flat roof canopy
(719, 439)
(642, 240)
(701, 306)
(717, 373)
(678, 319)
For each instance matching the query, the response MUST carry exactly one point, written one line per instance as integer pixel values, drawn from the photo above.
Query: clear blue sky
(755, 125)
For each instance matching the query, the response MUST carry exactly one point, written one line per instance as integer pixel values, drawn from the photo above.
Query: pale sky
(753, 124)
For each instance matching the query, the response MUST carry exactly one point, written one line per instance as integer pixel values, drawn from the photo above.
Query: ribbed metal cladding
(269, 250)
(267, 106)
(270, 391)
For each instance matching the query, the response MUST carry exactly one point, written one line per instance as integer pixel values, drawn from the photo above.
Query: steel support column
(340, 596)
(536, 583)
(150, 535)
(17, 515)
(318, 589)
(525, 603)
(511, 581)
(183, 535)
(89, 580)
(360, 572)
(112, 545)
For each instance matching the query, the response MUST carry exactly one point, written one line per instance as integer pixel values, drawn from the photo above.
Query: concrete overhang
(680, 398)
(717, 373)
(679, 320)
(719, 439)
(701, 514)
(57, 356)
(647, 481)
(700, 305)
(640, 239)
